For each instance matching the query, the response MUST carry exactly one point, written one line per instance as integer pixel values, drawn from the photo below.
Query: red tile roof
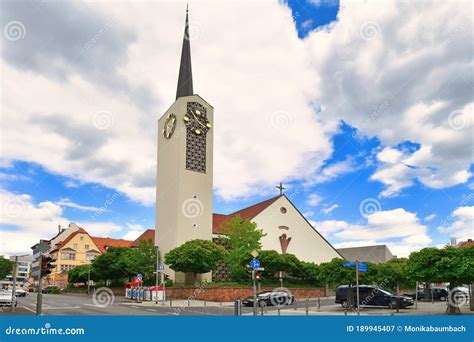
(61, 244)
(218, 220)
(103, 243)
(148, 234)
(467, 243)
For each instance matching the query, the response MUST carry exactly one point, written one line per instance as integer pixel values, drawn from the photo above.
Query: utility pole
(357, 289)
(89, 279)
(157, 273)
(15, 268)
(254, 294)
(39, 298)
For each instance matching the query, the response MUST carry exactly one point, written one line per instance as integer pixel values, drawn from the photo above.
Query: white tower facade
(184, 171)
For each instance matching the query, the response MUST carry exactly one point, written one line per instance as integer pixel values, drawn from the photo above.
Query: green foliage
(274, 262)
(6, 267)
(310, 273)
(195, 256)
(111, 265)
(241, 238)
(80, 274)
(142, 259)
(334, 274)
(449, 264)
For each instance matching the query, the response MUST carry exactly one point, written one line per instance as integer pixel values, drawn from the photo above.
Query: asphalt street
(78, 304)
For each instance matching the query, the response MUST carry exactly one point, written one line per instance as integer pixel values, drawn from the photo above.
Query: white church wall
(305, 242)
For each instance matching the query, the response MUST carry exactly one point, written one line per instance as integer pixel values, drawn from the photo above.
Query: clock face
(170, 126)
(196, 119)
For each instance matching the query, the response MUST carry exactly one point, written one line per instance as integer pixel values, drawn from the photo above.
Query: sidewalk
(178, 303)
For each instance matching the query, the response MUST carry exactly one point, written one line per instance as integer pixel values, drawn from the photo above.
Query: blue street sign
(363, 267)
(139, 277)
(161, 267)
(349, 264)
(255, 263)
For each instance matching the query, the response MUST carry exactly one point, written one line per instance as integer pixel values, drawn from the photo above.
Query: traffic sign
(349, 264)
(254, 253)
(363, 267)
(161, 268)
(139, 277)
(255, 263)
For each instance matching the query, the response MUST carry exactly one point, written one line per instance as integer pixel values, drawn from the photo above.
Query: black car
(271, 298)
(371, 296)
(435, 293)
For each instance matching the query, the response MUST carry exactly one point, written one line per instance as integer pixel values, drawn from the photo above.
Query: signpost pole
(15, 268)
(416, 296)
(89, 279)
(357, 284)
(39, 298)
(254, 294)
(157, 275)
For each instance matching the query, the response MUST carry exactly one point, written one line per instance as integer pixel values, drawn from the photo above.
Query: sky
(363, 110)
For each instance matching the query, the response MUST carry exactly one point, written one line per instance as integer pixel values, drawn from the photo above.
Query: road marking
(63, 307)
(151, 310)
(24, 307)
(135, 307)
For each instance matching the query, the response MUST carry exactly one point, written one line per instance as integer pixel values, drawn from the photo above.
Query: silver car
(6, 298)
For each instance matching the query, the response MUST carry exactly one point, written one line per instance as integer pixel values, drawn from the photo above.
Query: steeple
(185, 79)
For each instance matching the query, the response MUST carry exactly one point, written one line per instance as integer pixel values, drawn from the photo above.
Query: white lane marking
(135, 307)
(151, 310)
(24, 307)
(63, 307)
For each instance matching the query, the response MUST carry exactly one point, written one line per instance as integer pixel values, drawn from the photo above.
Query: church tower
(185, 165)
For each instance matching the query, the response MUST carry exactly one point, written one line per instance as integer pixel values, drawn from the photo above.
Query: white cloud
(430, 218)
(313, 200)
(398, 72)
(460, 224)
(399, 84)
(66, 202)
(328, 210)
(32, 222)
(399, 229)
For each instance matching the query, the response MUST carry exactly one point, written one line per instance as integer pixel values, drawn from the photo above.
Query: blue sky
(361, 151)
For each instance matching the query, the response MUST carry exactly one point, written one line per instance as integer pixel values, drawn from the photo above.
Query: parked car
(271, 298)
(371, 296)
(51, 289)
(19, 292)
(6, 298)
(438, 293)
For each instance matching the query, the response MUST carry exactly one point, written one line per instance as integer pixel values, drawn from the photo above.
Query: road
(78, 304)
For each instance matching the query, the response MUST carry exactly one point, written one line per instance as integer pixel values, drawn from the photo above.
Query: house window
(86, 247)
(90, 256)
(75, 246)
(81, 238)
(68, 256)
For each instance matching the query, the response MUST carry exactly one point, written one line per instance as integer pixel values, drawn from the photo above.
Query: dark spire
(185, 79)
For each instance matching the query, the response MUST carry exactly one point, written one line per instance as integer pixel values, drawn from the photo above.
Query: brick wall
(228, 294)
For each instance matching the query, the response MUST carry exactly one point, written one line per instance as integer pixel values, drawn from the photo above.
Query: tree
(6, 267)
(274, 262)
(80, 274)
(112, 265)
(334, 274)
(195, 256)
(142, 259)
(241, 237)
(449, 264)
(311, 273)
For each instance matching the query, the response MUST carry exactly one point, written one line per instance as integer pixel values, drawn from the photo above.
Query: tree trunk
(452, 308)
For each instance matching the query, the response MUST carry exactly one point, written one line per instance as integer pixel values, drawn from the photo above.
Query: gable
(285, 226)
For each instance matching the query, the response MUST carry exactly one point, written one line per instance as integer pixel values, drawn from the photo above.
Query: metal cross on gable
(281, 188)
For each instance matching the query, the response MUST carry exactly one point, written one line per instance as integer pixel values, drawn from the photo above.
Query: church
(184, 192)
